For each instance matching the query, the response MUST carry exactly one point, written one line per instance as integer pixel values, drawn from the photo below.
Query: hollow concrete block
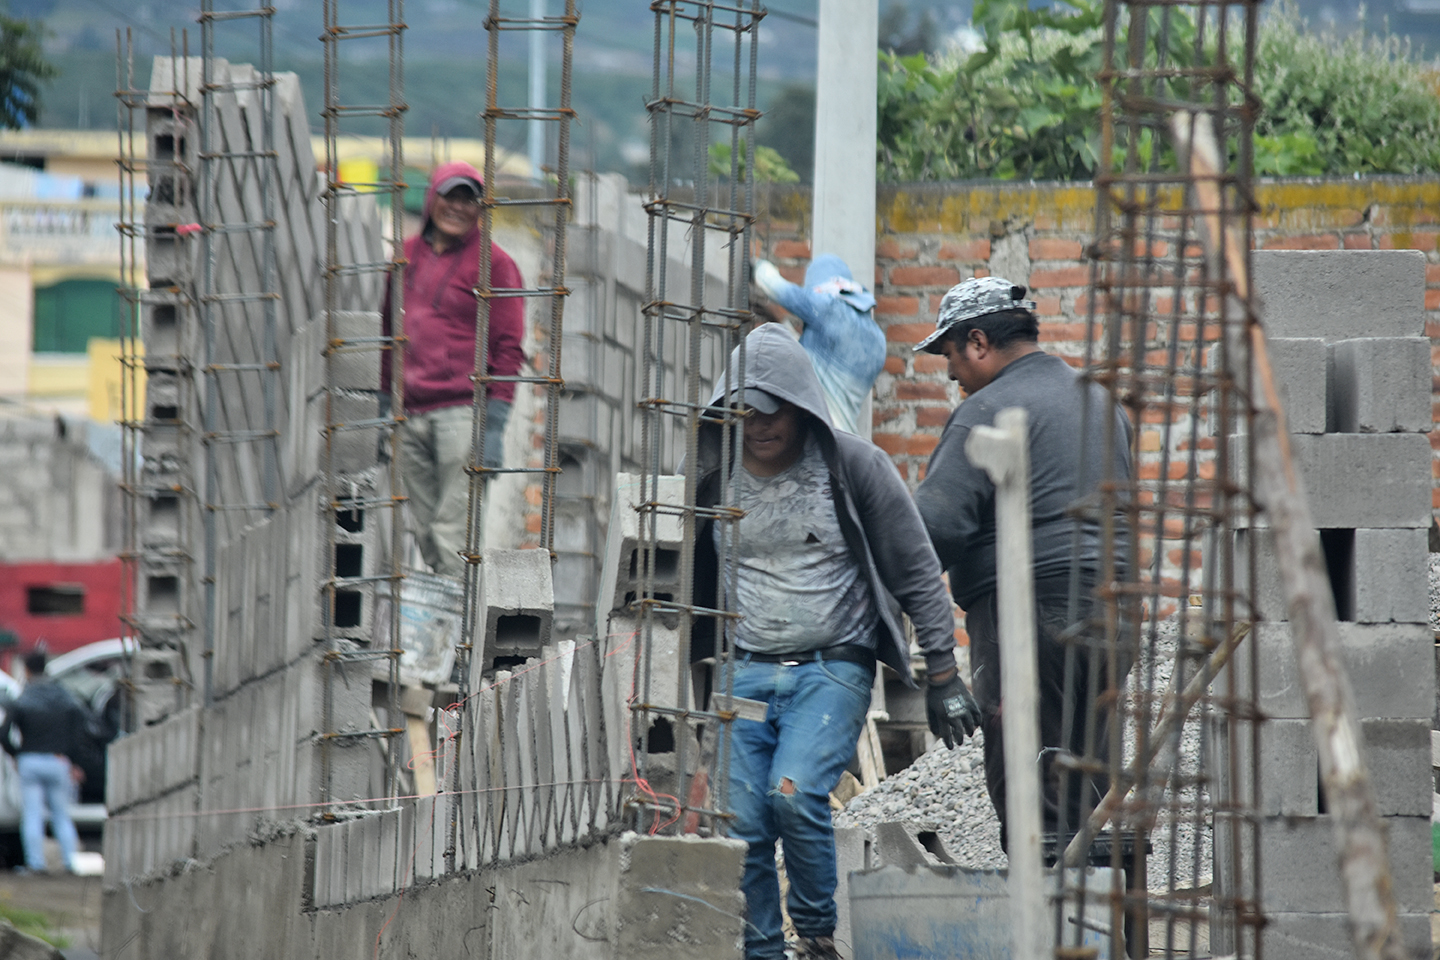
(1390, 577)
(1380, 385)
(1341, 294)
(1391, 668)
(1299, 866)
(622, 573)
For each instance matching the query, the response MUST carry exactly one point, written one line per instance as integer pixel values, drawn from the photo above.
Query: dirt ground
(71, 903)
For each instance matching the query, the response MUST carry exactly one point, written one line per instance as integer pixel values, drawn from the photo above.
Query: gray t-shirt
(799, 588)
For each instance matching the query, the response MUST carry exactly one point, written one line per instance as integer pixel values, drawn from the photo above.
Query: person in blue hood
(828, 552)
(845, 345)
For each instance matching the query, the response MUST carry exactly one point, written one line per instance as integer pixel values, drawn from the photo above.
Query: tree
(788, 127)
(23, 69)
(1027, 106)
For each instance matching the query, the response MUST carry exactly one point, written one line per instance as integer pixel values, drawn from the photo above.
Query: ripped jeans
(781, 775)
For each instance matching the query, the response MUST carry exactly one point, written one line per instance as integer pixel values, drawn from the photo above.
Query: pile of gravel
(945, 789)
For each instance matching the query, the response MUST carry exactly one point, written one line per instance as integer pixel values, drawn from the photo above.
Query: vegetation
(33, 923)
(23, 69)
(770, 167)
(1027, 105)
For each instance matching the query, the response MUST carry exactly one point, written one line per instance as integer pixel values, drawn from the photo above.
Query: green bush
(1028, 104)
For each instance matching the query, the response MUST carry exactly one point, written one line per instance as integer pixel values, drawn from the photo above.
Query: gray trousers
(434, 451)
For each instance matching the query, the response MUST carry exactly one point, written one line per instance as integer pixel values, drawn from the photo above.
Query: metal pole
(1004, 452)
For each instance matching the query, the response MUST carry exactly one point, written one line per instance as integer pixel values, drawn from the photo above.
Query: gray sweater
(957, 499)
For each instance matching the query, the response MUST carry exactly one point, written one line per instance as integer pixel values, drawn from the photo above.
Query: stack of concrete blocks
(603, 346)
(645, 668)
(152, 795)
(529, 773)
(168, 605)
(1349, 352)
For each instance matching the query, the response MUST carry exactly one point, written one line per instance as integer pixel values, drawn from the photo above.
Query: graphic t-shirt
(799, 588)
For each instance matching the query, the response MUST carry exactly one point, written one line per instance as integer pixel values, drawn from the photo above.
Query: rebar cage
(1168, 772)
(701, 202)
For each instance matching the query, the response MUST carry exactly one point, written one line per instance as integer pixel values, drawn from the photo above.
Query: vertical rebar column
(683, 324)
(346, 493)
(1175, 753)
(554, 195)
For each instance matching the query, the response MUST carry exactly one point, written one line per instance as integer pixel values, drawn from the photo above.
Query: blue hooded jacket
(845, 345)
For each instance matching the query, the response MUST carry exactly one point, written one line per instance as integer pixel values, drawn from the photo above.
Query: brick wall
(931, 236)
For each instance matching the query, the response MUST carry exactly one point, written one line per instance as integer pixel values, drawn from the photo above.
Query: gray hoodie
(879, 520)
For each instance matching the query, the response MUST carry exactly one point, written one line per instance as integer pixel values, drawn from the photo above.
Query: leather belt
(848, 652)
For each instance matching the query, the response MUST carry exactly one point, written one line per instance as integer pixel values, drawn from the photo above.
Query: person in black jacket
(50, 723)
(988, 333)
(828, 553)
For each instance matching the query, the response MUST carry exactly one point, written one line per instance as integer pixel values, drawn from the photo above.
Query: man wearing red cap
(441, 274)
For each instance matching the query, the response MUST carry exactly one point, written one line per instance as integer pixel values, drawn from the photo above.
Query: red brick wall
(930, 236)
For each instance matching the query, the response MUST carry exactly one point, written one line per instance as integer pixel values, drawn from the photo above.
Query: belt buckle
(791, 663)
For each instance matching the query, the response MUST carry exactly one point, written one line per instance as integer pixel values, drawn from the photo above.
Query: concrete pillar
(844, 196)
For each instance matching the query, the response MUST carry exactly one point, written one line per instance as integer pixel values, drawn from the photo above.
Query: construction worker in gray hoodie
(829, 551)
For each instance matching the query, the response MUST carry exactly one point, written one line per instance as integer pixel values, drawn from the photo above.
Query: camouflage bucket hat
(974, 298)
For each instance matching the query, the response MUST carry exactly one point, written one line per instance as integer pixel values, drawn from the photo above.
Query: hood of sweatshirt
(453, 168)
(828, 274)
(776, 363)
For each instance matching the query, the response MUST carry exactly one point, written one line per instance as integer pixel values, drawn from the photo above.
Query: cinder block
(1337, 294)
(651, 656)
(1326, 936)
(1392, 471)
(645, 921)
(1289, 769)
(1390, 578)
(1300, 869)
(347, 436)
(346, 363)
(1380, 385)
(1391, 668)
(329, 866)
(1397, 756)
(622, 573)
(1268, 601)
(1299, 366)
(517, 599)
(153, 760)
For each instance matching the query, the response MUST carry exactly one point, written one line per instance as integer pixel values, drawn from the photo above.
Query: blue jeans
(45, 782)
(781, 775)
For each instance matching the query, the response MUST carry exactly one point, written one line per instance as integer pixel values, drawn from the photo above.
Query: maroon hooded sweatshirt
(440, 315)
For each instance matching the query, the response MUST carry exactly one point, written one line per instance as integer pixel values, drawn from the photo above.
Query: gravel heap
(946, 789)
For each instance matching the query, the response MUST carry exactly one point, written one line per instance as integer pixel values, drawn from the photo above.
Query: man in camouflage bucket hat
(988, 333)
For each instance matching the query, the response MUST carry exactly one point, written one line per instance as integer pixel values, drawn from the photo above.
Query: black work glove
(951, 711)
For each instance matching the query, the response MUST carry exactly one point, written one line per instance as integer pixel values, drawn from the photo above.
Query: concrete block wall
(602, 345)
(598, 902)
(1366, 475)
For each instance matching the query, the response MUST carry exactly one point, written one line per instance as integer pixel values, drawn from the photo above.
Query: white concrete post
(844, 195)
(536, 133)
(1004, 452)
(843, 200)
